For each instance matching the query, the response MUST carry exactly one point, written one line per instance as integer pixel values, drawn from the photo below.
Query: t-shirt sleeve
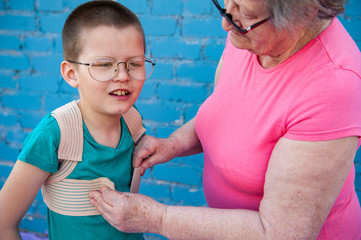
(41, 145)
(327, 107)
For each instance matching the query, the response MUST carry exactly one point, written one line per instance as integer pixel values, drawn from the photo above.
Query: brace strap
(134, 123)
(70, 150)
(71, 196)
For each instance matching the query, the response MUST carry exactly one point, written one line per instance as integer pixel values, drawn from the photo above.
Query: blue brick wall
(185, 39)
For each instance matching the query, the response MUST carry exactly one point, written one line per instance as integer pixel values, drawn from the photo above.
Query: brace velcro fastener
(71, 196)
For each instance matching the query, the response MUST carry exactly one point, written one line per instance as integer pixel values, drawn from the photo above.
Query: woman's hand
(151, 151)
(128, 212)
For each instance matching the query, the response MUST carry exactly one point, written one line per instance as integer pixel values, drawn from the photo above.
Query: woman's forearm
(210, 223)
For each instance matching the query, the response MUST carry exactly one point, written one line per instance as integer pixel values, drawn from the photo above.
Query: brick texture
(184, 37)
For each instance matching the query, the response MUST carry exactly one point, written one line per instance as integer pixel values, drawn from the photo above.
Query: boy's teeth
(120, 93)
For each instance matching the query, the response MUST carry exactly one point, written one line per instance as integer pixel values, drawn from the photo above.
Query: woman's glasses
(228, 16)
(104, 69)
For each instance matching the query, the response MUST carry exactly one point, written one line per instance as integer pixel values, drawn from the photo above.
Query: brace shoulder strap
(71, 131)
(134, 123)
(70, 149)
(136, 129)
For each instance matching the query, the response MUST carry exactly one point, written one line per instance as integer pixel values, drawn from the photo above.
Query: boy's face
(116, 96)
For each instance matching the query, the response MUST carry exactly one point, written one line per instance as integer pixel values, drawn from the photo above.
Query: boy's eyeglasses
(228, 16)
(104, 69)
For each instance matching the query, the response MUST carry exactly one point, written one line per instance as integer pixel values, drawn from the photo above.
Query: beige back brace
(71, 196)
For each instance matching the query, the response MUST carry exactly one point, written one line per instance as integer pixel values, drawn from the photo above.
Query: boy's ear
(68, 72)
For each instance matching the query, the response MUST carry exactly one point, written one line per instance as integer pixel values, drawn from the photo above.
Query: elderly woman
(279, 133)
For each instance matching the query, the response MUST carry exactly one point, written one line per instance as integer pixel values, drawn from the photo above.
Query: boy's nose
(121, 73)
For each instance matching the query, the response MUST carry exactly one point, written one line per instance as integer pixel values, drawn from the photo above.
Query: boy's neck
(106, 130)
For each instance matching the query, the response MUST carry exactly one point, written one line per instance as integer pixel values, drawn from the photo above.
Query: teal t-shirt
(40, 149)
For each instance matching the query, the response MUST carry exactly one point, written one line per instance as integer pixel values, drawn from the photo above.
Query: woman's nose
(231, 8)
(226, 25)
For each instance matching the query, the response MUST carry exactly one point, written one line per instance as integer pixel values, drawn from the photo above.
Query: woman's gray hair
(291, 13)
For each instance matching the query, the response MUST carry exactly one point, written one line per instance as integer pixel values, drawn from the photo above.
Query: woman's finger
(148, 163)
(111, 196)
(101, 201)
(142, 151)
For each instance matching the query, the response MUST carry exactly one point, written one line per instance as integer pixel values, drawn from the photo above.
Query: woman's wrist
(175, 145)
(154, 217)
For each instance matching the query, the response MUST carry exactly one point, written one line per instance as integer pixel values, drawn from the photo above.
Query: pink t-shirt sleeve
(325, 106)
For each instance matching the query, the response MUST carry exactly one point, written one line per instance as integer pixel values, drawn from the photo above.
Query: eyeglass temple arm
(259, 23)
(86, 64)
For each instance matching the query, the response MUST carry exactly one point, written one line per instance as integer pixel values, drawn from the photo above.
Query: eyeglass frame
(223, 13)
(117, 64)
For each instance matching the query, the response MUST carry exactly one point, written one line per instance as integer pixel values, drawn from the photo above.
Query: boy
(93, 137)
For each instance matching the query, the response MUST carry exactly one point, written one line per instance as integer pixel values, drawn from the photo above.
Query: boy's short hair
(90, 15)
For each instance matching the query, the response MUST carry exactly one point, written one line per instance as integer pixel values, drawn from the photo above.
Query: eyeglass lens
(104, 69)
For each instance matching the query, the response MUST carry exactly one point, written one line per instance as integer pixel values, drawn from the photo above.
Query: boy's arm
(17, 195)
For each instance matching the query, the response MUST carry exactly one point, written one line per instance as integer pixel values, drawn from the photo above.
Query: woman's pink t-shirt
(315, 95)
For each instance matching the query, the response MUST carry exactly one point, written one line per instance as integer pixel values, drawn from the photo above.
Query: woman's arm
(303, 180)
(16, 196)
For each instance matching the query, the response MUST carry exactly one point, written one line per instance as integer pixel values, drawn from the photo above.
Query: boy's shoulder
(40, 146)
(48, 124)
(47, 129)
